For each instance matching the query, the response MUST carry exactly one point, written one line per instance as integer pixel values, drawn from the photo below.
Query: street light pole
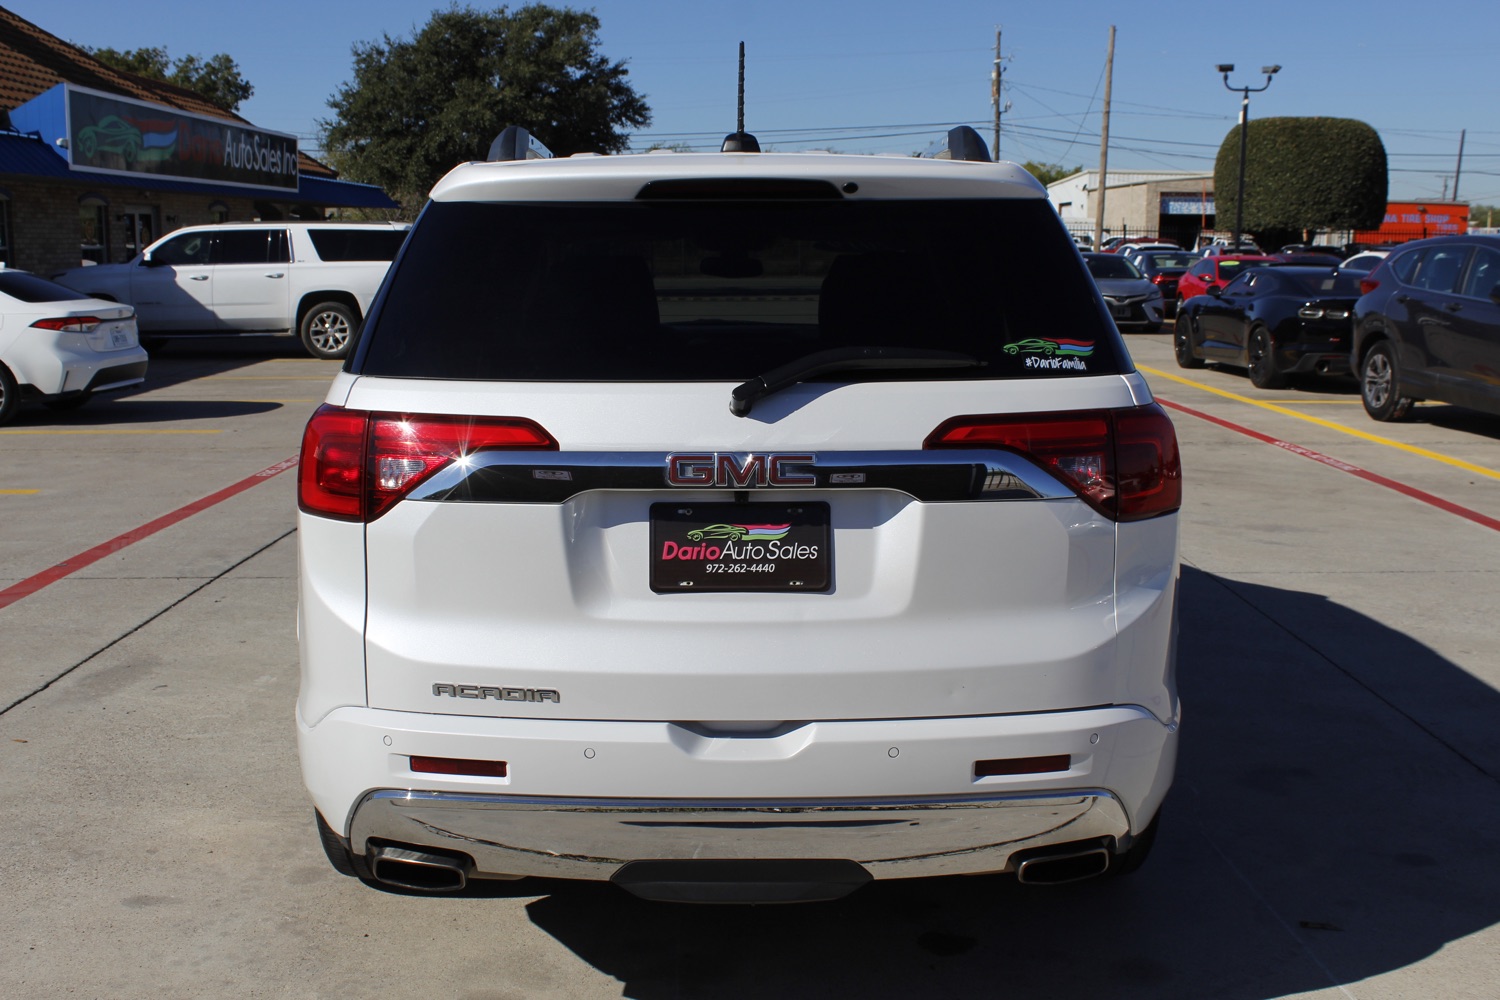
(1245, 92)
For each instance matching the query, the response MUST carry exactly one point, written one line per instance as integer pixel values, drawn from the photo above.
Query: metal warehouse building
(1171, 204)
(97, 163)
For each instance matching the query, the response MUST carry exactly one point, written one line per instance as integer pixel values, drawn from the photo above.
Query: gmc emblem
(739, 472)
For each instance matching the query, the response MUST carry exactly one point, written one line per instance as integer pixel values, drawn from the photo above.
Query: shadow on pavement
(125, 411)
(182, 361)
(1331, 821)
(1456, 418)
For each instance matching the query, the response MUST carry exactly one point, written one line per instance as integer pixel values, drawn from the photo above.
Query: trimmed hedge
(1303, 174)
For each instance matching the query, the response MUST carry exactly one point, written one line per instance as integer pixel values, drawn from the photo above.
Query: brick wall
(45, 227)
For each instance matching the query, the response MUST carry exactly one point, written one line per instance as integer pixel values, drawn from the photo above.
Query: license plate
(1118, 311)
(118, 337)
(758, 547)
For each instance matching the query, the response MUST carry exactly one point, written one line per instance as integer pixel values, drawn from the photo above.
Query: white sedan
(59, 347)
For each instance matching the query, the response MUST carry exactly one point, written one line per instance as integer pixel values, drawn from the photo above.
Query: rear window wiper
(841, 359)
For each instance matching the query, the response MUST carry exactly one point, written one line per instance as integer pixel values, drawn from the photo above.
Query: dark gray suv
(1427, 326)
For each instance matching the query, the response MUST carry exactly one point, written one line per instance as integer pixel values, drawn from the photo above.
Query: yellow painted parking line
(102, 430)
(18, 493)
(1314, 402)
(1410, 449)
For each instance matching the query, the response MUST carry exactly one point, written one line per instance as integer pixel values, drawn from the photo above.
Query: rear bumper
(595, 838)
(1307, 359)
(1139, 314)
(898, 797)
(70, 372)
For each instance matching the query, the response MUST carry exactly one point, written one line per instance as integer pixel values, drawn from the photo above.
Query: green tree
(1049, 172)
(1302, 175)
(1484, 215)
(417, 107)
(216, 78)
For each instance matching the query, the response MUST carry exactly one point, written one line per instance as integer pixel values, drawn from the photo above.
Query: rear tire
(1182, 343)
(1260, 359)
(1379, 384)
(10, 395)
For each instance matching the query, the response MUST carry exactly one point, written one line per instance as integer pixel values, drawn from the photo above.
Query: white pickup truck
(314, 279)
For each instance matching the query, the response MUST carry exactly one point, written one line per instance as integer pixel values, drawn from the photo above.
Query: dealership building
(96, 163)
(1171, 204)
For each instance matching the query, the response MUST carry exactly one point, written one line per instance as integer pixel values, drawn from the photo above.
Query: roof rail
(961, 143)
(515, 143)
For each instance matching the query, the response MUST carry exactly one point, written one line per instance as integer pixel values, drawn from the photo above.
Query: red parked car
(1216, 272)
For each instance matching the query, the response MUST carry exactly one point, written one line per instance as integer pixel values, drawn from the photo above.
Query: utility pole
(1460, 168)
(996, 92)
(1109, 76)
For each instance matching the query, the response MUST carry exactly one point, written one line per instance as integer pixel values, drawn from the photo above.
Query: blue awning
(30, 157)
(343, 194)
(22, 154)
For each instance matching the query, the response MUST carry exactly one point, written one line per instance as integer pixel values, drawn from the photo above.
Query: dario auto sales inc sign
(117, 135)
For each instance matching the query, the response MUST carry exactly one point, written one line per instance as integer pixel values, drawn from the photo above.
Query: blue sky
(887, 76)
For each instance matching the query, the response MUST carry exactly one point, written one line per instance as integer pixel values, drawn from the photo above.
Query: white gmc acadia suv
(737, 526)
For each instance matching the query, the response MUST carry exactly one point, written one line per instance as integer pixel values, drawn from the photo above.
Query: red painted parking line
(1353, 470)
(67, 567)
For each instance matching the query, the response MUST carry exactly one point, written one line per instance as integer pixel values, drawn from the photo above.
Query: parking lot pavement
(1331, 832)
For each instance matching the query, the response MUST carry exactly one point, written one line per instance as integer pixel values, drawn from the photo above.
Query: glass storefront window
(91, 231)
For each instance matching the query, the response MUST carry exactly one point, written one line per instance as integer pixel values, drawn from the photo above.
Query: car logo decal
(1052, 353)
(1050, 346)
(741, 532)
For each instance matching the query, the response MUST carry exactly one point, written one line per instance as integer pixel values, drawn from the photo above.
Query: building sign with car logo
(118, 135)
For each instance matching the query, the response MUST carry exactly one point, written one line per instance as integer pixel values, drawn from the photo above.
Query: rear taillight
(1123, 463)
(355, 465)
(1322, 312)
(69, 324)
(1371, 281)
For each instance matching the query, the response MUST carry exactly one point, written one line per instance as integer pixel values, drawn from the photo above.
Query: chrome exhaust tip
(419, 870)
(1064, 866)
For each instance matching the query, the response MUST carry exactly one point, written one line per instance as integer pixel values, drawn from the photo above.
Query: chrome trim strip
(944, 475)
(592, 838)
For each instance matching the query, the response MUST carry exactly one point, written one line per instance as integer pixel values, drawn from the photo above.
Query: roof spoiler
(961, 143)
(515, 143)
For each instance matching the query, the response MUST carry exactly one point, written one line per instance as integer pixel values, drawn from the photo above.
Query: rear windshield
(1229, 268)
(726, 291)
(30, 288)
(356, 244)
(1170, 261)
(1106, 265)
(1325, 283)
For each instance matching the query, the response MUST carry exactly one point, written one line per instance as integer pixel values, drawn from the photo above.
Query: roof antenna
(741, 141)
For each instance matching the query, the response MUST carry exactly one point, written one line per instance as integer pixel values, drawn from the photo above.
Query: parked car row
(1418, 322)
